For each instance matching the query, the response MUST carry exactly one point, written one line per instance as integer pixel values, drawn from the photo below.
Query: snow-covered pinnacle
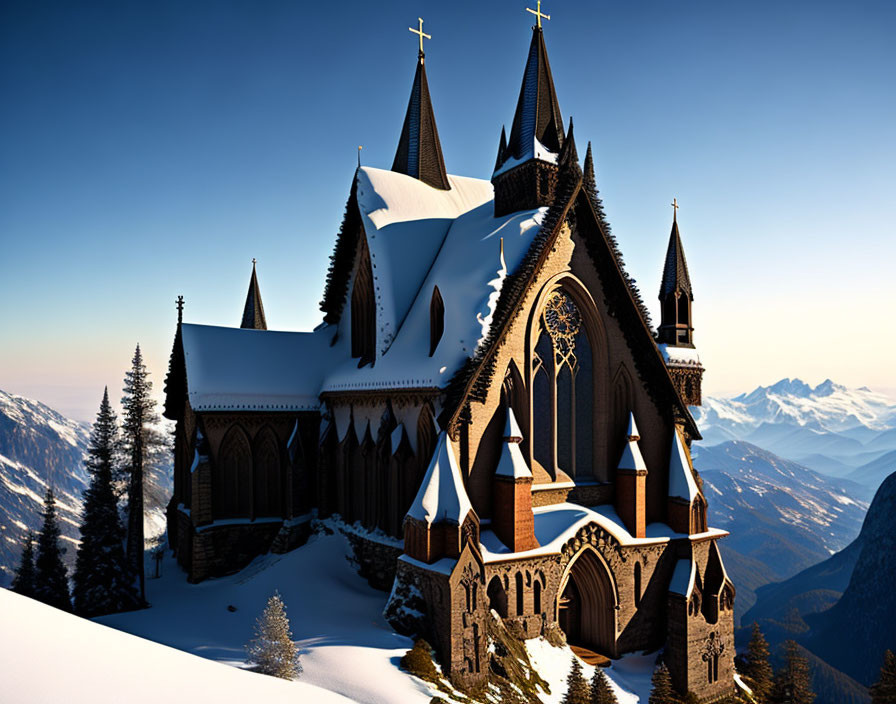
(681, 475)
(631, 456)
(512, 464)
(442, 496)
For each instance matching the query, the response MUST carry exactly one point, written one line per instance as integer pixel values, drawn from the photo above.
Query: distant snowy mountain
(830, 428)
(39, 447)
(783, 517)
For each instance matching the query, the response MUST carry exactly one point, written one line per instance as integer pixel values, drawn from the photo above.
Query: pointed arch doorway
(587, 604)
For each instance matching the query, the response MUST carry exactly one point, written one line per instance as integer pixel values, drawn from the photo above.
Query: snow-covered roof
(441, 496)
(242, 369)
(632, 429)
(631, 454)
(681, 477)
(421, 238)
(683, 577)
(679, 356)
(406, 222)
(511, 463)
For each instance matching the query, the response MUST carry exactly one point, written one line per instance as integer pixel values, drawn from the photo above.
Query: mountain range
(41, 448)
(830, 428)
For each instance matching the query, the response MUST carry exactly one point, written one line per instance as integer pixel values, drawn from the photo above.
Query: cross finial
(419, 31)
(675, 210)
(180, 309)
(538, 14)
(360, 147)
(253, 262)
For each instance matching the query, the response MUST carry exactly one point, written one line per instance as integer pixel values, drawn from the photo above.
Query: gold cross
(675, 209)
(538, 14)
(420, 31)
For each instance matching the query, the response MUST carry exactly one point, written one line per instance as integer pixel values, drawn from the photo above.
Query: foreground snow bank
(52, 656)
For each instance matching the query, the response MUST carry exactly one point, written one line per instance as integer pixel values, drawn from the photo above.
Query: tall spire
(675, 292)
(253, 312)
(419, 152)
(537, 114)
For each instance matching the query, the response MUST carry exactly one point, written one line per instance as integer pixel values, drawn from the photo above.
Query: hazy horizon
(151, 151)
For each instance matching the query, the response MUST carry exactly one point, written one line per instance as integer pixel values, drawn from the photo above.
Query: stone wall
(377, 560)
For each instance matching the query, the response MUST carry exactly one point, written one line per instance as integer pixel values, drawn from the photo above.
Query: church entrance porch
(587, 605)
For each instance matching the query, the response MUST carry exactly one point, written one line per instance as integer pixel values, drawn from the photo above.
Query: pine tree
(792, 684)
(23, 581)
(661, 690)
(577, 690)
(50, 576)
(757, 671)
(139, 437)
(272, 650)
(103, 584)
(884, 690)
(601, 692)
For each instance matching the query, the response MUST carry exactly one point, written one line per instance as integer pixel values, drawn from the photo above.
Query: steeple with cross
(419, 152)
(538, 14)
(676, 327)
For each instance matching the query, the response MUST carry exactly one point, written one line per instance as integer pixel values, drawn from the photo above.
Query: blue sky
(152, 149)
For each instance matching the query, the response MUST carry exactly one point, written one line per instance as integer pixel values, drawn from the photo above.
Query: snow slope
(346, 646)
(52, 656)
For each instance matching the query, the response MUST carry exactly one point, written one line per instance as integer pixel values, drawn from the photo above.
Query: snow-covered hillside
(40, 447)
(829, 428)
(346, 645)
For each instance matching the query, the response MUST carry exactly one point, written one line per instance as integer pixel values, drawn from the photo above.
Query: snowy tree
(23, 581)
(601, 692)
(792, 684)
(139, 439)
(272, 650)
(884, 690)
(756, 669)
(103, 583)
(661, 690)
(577, 691)
(50, 576)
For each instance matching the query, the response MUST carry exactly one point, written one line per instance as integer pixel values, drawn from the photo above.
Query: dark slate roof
(419, 152)
(675, 273)
(253, 313)
(537, 111)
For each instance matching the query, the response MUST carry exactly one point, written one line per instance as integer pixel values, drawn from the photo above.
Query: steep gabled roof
(253, 311)
(419, 152)
(537, 114)
(681, 474)
(675, 272)
(441, 496)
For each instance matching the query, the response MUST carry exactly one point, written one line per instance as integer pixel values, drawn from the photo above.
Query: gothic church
(485, 406)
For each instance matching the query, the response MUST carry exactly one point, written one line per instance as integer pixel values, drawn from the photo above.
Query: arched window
(637, 584)
(426, 437)
(519, 594)
(497, 597)
(363, 312)
(536, 594)
(436, 320)
(563, 389)
(232, 484)
(266, 490)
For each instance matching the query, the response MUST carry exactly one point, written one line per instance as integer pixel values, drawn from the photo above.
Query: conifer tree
(792, 684)
(884, 690)
(50, 576)
(272, 650)
(661, 690)
(23, 581)
(601, 692)
(103, 584)
(756, 670)
(577, 690)
(139, 437)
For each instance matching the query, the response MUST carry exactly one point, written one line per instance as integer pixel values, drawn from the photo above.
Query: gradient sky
(152, 149)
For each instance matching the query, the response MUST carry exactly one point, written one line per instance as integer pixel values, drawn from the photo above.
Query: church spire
(253, 312)
(537, 114)
(526, 172)
(419, 152)
(676, 326)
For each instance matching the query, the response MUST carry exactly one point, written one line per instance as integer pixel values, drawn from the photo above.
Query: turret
(676, 332)
(631, 484)
(512, 517)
